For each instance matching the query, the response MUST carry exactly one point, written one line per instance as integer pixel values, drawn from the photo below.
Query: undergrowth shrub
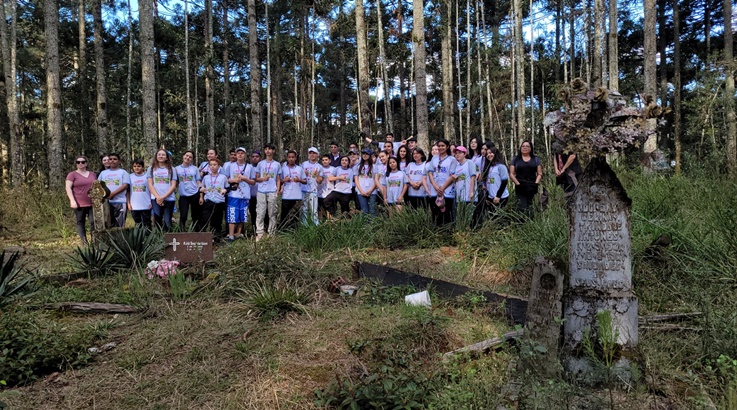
(411, 228)
(355, 233)
(134, 247)
(40, 206)
(13, 278)
(268, 260)
(269, 301)
(31, 346)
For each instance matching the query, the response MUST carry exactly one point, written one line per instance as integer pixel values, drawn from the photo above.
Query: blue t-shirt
(114, 179)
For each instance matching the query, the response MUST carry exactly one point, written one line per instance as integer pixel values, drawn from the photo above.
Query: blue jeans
(368, 205)
(162, 214)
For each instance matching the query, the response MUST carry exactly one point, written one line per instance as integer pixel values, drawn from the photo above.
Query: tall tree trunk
(650, 48)
(82, 74)
(519, 71)
(613, 46)
(418, 39)
(388, 115)
(148, 74)
(662, 49)
(677, 84)
(269, 112)
(190, 125)
(458, 65)
(100, 80)
(446, 51)
(53, 93)
(532, 76)
(129, 89)
(729, 90)
(226, 76)
(363, 69)
(556, 67)
(479, 72)
(209, 75)
(468, 71)
(8, 40)
(572, 39)
(707, 26)
(255, 63)
(597, 54)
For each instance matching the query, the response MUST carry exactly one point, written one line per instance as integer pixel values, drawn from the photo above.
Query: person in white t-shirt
(240, 181)
(324, 188)
(293, 178)
(396, 186)
(440, 176)
(314, 179)
(267, 178)
(162, 182)
(417, 180)
(365, 185)
(212, 198)
(189, 186)
(138, 196)
(118, 181)
(212, 153)
(341, 179)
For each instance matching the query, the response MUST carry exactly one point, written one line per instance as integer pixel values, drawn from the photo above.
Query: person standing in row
(396, 186)
(465, 183)
(117, 180)
(417, 180)
(78, 184)
(212, 198)
(267, 178)
(239, 177)
(341, 179)
(292, 178)
(138, 196)
(440, 174)
(314, 179)
(365, 185)
(326, 187)
(526, 172)
(212, 153)
(162, 182)
(255, 159)
(189, 187)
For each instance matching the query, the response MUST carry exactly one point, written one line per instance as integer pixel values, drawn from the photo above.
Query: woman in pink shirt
(78, 185)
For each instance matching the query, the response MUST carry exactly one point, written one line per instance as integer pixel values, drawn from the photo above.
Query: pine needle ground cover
(259, 329)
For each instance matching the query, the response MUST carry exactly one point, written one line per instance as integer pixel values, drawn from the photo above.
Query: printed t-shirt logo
(394, 182)
(139, 188)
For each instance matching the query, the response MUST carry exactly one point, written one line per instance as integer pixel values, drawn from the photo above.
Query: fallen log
(91, 307)
(481, 347)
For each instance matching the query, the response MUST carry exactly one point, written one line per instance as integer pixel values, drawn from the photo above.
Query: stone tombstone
(100, 211)
(543, 321)
(600, 267)
(189, 247)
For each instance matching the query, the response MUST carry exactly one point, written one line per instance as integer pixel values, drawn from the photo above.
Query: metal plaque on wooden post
(189, 247)
(600, 269)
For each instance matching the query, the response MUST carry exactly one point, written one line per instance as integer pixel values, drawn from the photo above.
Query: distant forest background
(91, 77)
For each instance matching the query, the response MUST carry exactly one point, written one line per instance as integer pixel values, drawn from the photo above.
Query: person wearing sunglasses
(78, 184)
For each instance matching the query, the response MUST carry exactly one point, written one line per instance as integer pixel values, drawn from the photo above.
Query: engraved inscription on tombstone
(600, 265)
(189, 247)
(544, 311)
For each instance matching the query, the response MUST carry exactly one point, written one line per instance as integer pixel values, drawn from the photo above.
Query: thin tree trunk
(677, 84)
(458, 66)
(82, 74)
(128, 89)
(190, 136)
(650, 48)
(597, 53)
(53, 93)
(532, 76)
(663, 67)
(589, 36)
(729, 91)
(101, 82)
(268, 76)
(209, 75)
(418, 39)
(8, 39)
(446, 51)
(707, 26)
(226, 75)
(255, 63)
(572, 40)
(558, 17)
(388, 115)
(479, 44)
(468, 71)
(519, 72)
(363, 69)
(613, 46)
(148, 74)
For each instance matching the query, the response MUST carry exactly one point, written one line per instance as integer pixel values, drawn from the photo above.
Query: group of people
(252, 188)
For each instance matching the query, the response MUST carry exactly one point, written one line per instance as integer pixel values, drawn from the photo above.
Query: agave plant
(272, 301)
(134, 248)
(93, 259)
(10, 282)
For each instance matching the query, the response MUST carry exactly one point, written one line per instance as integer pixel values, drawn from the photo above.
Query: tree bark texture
(100, 80)
(650, 48)
(677, 84)
(8, 39)
(209, 76)
(148, 74)
(418, 39)
(729, 90)
(363, 69)
(447, 56)
(53, 93)
(255, 63)
(613, 46)
(519, 72)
